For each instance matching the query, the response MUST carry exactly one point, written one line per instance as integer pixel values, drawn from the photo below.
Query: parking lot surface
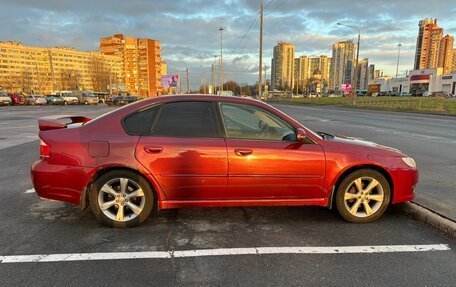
(85, 252)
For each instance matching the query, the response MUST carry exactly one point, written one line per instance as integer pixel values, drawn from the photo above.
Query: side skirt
(167, 204)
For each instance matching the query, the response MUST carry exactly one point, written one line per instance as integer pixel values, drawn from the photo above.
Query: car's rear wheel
(121, 199)
(363, 196)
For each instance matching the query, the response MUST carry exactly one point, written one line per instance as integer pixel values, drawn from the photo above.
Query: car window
(187, 119)
(141, 122)
(247, 122)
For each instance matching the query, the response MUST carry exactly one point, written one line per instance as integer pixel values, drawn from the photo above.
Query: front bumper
(405, 181)
(59, 182)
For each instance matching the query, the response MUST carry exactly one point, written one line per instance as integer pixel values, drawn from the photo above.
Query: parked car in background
(427, 94)
(122, 101)
(440, 94)
(203, 151)
(68, 97)
(36, 100)
(5, 100)
(54, 100)
(404, 94)
(110, 101)
(86, 97)
(18, 99)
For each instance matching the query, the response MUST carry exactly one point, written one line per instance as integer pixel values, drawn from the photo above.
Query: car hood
(358, 144)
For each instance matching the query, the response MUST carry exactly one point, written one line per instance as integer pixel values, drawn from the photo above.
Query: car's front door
(185, 151)
(265, 160)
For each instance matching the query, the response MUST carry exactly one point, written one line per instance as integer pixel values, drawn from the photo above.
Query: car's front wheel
(363, 196)
(121, 199)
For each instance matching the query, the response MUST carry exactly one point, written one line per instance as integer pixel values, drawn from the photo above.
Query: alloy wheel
(121, 199)
(364, 196)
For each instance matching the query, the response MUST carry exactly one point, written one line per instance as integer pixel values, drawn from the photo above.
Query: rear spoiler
(59, 122)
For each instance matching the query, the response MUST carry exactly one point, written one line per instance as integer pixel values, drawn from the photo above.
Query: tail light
(45, 149)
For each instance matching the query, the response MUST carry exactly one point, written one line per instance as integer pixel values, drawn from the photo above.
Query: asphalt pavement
(394, 251)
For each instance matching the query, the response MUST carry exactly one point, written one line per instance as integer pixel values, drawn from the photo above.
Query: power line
(249, 31)
(245, 35)
(281, 4)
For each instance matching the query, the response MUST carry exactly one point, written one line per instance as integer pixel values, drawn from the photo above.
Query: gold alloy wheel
(364, 196)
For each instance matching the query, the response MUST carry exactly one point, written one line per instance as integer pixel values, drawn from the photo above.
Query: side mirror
(300, 135)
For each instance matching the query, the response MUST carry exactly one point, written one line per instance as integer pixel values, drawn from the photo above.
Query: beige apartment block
(44, 70)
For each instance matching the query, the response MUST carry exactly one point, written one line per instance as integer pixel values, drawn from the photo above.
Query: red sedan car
(182, 151)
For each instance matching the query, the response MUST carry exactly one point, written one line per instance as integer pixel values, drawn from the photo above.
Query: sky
(189, 30)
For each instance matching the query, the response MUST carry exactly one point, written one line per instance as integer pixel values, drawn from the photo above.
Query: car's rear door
(186, 152)
(265, 160)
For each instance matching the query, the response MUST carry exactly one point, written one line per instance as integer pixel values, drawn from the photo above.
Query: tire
(111, 216)
(65, 103)
(86, 103)
(364, 205)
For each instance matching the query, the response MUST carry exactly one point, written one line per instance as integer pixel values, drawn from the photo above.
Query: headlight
(409, 161)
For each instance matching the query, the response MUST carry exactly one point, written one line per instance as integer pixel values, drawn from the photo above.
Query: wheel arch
(84, 201)
(348, 171)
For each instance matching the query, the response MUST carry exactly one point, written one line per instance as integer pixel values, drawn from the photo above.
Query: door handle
(153, 149)
(243, 151)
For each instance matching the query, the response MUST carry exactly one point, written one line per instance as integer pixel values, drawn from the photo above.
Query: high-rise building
(325, 67)
(371, 72)
(141, 60)
(453, 62)
(342, 63)
(378, 74)
(283, 66)
(301, 71)
(428, 44)
(363, 74)
(45, 70)
(446, 54)
(314, 67)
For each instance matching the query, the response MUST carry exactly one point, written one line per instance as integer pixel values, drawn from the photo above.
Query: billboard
(346, 87)
(170, 81)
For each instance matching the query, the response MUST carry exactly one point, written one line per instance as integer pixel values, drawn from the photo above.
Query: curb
(437, 222)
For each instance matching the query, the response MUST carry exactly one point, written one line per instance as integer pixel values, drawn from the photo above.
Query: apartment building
(283, 66)
(44, 70)
(141, 60)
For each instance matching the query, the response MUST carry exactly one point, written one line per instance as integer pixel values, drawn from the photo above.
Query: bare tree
(100, 74)
(69, 79)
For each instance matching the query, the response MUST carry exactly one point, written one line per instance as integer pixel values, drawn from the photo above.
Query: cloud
(188, 30)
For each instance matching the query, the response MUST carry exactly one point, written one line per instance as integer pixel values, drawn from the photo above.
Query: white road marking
(221, 252)
(31, 190)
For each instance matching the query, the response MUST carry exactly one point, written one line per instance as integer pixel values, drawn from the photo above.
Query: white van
(69, 98)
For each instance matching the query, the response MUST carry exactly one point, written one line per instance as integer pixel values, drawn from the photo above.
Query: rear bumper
(405, 181)
(59, 182)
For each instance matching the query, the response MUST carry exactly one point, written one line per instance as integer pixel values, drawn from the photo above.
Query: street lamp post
(355, 78)
(221, 60)
(398, 55)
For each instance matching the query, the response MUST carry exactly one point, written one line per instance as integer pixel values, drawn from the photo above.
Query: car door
(186, 152)
(265, 160)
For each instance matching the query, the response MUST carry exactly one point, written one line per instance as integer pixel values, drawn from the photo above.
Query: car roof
(200, 97)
